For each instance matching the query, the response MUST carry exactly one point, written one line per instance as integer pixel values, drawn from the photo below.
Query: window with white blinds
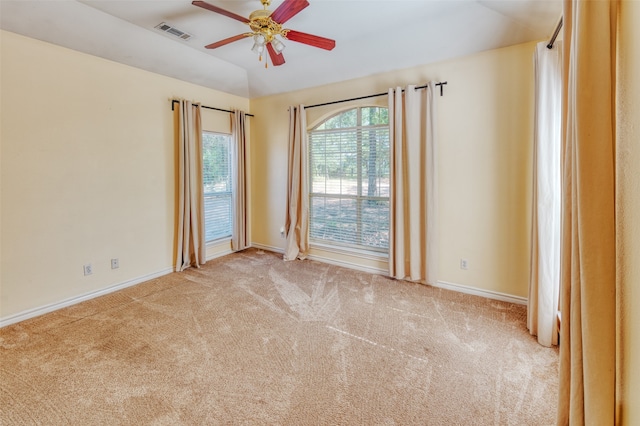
(349, 179)
(216, 173)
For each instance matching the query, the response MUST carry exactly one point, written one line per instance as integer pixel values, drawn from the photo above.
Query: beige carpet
(250, 339)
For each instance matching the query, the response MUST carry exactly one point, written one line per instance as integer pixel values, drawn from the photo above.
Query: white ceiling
(372, 36)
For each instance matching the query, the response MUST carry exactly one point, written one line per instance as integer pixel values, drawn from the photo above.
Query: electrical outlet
(464, 264)
(115, 263)
(88, 269)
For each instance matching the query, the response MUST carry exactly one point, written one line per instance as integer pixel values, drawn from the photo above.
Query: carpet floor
(250, 339)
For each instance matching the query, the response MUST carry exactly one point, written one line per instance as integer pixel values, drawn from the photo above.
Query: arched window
(349, 179)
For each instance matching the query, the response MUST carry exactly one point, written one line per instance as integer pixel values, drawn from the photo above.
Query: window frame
(359, 198)
(221, 194)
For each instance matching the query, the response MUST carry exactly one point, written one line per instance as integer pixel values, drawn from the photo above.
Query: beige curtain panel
(297, 214)
(239, 235)
(413, 192)
(588, 251)
(544, 282)
(190, 238)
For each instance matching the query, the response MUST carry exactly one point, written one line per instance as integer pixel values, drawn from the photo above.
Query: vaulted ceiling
(372, 36)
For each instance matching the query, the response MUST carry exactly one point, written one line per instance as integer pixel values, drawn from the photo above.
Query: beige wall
(629, 212)
(87, 171)
(485, 128)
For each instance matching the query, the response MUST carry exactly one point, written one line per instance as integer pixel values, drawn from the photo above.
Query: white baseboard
(489, 294)
(35, 312)
(267, 248)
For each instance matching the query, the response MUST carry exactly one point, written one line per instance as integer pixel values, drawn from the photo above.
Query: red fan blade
(311, 40)
(276, 58)
(288, 9)
(216, 9)
(225, 41)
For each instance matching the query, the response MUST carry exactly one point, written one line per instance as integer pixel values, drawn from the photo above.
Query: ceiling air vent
(163, 26)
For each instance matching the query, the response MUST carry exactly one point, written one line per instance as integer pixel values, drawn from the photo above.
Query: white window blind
(216, 165)
(349, 179)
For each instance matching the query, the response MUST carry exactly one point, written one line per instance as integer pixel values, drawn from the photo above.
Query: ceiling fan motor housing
(265, 26)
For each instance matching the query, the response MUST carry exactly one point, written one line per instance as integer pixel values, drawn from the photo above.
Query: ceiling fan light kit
(267, 31)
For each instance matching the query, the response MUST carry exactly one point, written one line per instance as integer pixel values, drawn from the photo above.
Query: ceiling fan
(266, 29)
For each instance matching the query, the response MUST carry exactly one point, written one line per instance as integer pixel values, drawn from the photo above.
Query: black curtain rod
(555, 34)
(173, 102)
(370, 96)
